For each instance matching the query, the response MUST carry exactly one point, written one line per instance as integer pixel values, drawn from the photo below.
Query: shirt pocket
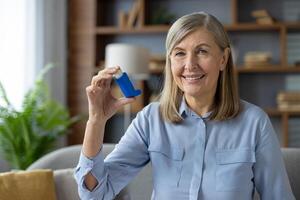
(166, 164)
(234, 170)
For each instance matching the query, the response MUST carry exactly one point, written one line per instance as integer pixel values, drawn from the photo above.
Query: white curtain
(32, 34)
(15, 59)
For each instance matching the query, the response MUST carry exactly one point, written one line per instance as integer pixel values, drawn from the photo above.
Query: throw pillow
(27, 185)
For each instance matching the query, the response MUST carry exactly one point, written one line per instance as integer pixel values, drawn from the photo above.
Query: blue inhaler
(125, 85)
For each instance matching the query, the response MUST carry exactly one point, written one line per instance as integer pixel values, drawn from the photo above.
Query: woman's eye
(202, 51)
(180, 53)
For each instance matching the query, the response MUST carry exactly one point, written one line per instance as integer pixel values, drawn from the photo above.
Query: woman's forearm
(93, 137)
(92, 143)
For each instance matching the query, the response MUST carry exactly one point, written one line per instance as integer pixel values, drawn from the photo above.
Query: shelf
(270, 69)
(253, 27)
(292, 25)
(274, 112)
(111, 30)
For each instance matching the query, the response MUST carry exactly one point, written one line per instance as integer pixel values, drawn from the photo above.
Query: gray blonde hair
(227, 101)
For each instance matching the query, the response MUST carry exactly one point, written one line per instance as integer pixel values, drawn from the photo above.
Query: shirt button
(90, 165)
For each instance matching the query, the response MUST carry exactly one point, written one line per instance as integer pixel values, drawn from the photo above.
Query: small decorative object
(123, 17)
(29, 133)
(135, 15)
(262, 17)
(132, 59)
(257, 59)
(162, 16)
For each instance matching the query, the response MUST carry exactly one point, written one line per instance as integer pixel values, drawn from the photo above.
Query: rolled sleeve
(86, 165)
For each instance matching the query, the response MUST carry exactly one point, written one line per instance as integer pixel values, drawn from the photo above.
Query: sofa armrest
(65, 184)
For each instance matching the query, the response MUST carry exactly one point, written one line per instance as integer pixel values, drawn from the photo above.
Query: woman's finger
(109, 70)
(107, 73)
(100, 80)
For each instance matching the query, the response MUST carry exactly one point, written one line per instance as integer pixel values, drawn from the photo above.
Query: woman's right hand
(102, 104)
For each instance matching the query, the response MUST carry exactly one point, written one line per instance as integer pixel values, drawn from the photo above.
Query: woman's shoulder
(250, 110)
(152, 106)
(152, 109)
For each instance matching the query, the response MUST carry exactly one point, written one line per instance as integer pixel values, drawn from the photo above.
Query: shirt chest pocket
(166, 164)
(234, 169)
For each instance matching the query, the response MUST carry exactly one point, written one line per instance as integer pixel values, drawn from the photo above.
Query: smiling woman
(202, 140)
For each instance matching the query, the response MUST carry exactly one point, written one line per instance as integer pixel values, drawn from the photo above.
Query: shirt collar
(184, 110)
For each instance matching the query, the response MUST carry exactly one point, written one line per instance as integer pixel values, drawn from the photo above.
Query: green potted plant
(29, 133)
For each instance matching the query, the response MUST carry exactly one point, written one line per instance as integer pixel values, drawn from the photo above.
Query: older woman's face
(196, 63)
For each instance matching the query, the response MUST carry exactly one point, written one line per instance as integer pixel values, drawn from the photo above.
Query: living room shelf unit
(91, 27)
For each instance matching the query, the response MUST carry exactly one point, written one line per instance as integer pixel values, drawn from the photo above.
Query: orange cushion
(27, 185)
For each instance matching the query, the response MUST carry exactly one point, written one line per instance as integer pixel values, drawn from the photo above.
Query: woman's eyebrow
(203, 44)
(197, 46)
(178, 48)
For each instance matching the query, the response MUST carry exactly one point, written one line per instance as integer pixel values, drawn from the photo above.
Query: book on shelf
(262, 17)
(288, 100)
(257, 59)
(289, 96)
(265, 20)
(259, 13)
(288, 107)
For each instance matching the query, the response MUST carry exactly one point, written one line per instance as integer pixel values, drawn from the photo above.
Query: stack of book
(288, 100)
(257, 59)
(262, 17)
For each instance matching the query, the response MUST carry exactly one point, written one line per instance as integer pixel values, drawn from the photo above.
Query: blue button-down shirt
(196, 159)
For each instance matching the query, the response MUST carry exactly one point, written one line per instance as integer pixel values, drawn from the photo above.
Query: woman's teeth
(191, 78)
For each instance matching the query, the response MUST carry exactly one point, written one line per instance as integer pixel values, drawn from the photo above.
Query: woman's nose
(191, 62)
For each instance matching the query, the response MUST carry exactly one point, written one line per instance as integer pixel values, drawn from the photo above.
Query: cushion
(27, 185)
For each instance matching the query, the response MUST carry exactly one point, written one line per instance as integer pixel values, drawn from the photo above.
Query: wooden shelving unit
(89, 33)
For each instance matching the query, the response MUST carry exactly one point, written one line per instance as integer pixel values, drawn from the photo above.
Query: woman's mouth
(193, 77)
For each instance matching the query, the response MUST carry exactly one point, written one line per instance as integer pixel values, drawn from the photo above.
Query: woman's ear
(225, 58)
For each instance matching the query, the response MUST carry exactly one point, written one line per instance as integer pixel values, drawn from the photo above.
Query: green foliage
(162, 16)
(28, 134)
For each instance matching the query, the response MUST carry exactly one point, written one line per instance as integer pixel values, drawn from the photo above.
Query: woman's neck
(200, 105)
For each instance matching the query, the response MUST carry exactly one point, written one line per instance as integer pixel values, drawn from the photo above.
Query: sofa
(62, 161)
